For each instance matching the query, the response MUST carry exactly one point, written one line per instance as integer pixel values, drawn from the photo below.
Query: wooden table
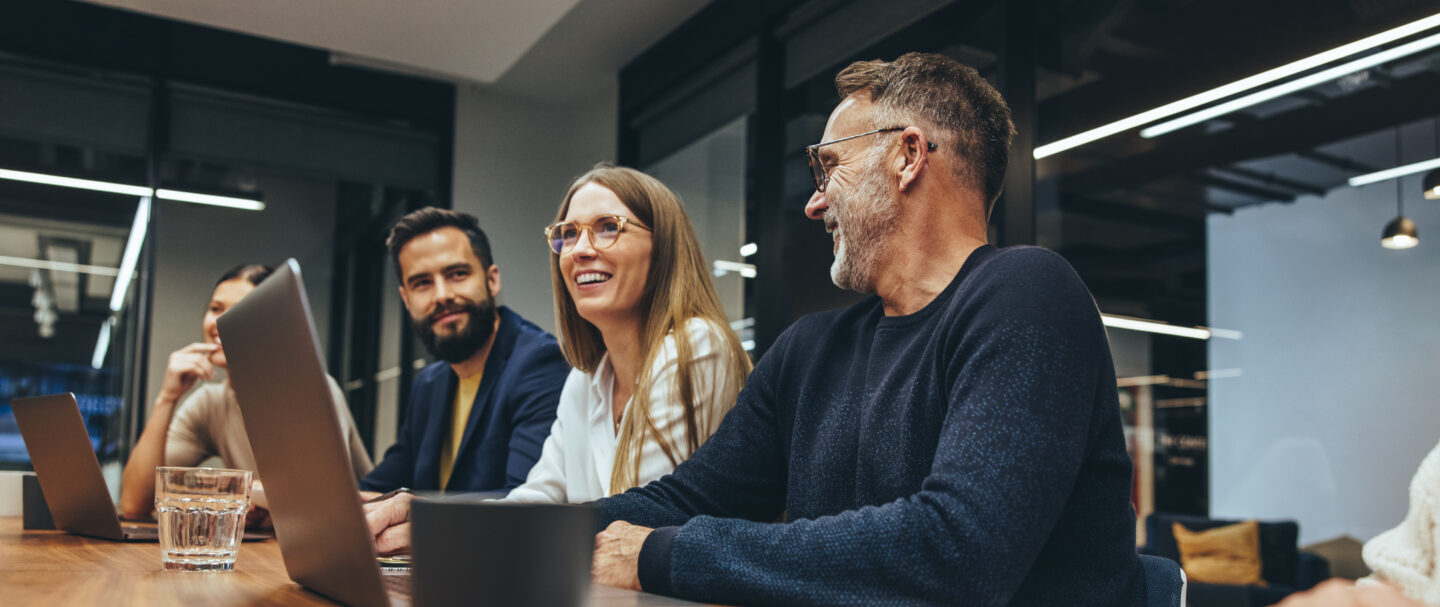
(53, 568)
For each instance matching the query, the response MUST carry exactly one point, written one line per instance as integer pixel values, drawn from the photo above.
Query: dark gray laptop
(279, 378)
(68, 470)
(508, 553)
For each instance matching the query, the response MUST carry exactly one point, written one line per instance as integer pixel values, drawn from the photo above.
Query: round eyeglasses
(604, 231)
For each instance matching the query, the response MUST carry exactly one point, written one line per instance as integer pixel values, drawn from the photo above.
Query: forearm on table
(733, 474)
(930, 547)
(874, 555)
(706, 484)
(137, 485)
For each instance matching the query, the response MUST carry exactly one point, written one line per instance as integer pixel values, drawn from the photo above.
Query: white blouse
(578, 457)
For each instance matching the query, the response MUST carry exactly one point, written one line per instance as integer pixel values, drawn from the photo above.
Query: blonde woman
(656, 364)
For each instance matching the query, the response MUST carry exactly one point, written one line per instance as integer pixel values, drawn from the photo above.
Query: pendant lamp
(1400, 233)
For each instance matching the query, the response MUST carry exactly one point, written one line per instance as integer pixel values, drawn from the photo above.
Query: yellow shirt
(464, 399)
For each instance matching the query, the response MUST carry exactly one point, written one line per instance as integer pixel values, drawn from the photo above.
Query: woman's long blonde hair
(677, 289)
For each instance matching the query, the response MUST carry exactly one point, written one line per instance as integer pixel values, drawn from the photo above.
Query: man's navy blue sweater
(970, 453)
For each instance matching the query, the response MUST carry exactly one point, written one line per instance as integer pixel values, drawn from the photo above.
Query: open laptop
(68, 470)
(278, 374)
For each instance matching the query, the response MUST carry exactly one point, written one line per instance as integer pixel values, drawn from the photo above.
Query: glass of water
(202, 516)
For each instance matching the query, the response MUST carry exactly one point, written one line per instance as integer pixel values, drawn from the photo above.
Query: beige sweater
(1405, 557)
(207, 422)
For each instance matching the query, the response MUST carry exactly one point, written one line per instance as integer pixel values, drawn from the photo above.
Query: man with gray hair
(953, 440)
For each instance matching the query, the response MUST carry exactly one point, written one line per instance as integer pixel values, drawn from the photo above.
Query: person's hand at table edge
(257, 517)
(617, 555)
(389, 522)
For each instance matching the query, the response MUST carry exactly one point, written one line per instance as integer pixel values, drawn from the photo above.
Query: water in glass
(202, 516)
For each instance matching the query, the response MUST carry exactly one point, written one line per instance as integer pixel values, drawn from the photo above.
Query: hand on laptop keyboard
(389, 521)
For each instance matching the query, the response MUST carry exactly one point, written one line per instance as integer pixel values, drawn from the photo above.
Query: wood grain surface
(53, 568)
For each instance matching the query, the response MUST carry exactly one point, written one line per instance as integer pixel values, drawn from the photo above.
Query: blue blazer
(509, 422)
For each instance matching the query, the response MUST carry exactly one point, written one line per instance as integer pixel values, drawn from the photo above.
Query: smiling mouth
(590, 278)
(448, 315)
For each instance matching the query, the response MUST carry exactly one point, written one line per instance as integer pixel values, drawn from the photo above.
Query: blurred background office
(1289, 373)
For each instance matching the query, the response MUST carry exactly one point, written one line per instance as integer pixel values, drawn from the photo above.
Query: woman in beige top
(207, 421)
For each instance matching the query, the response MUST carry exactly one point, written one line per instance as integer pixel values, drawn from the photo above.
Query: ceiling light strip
(219, 201)
(57, 266)
(1298, 84)
(1153, 326)
(1226, 333)
(71, 182)
(1218, 374)
(133, 190)
(132, 253)
(1244, 84)
(102, 344)
(1400, 171)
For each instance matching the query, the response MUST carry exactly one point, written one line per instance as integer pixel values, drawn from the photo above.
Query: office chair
(1164, 582)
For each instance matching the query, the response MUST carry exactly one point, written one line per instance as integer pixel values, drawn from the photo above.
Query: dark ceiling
(1129, 213)
(1133, 209)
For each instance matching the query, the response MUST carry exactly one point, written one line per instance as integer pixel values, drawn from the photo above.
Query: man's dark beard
(462, 345)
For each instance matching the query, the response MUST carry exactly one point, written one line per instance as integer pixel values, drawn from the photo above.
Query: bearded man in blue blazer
(477, 418)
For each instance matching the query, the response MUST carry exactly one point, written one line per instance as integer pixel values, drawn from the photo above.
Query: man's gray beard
(866, 216)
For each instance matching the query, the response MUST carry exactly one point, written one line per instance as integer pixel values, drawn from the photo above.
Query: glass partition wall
(102, 278)
(709, 176)
(58, 276)
(73, 278)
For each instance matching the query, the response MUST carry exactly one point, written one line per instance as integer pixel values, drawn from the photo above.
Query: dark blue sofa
(1284, 567)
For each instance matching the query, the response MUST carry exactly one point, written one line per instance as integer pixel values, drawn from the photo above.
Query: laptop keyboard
(396, 580)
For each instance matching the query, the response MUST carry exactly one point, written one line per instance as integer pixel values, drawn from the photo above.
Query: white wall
(1340, 394)
(514, 159)
(196, 243)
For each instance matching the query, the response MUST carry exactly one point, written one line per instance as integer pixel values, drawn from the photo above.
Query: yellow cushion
(1223, 555)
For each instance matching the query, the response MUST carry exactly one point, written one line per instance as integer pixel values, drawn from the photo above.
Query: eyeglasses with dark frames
(604, 231)
(817, 168)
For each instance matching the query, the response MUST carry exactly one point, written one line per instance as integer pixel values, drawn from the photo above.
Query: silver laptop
(68, 470)
(279, 378)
